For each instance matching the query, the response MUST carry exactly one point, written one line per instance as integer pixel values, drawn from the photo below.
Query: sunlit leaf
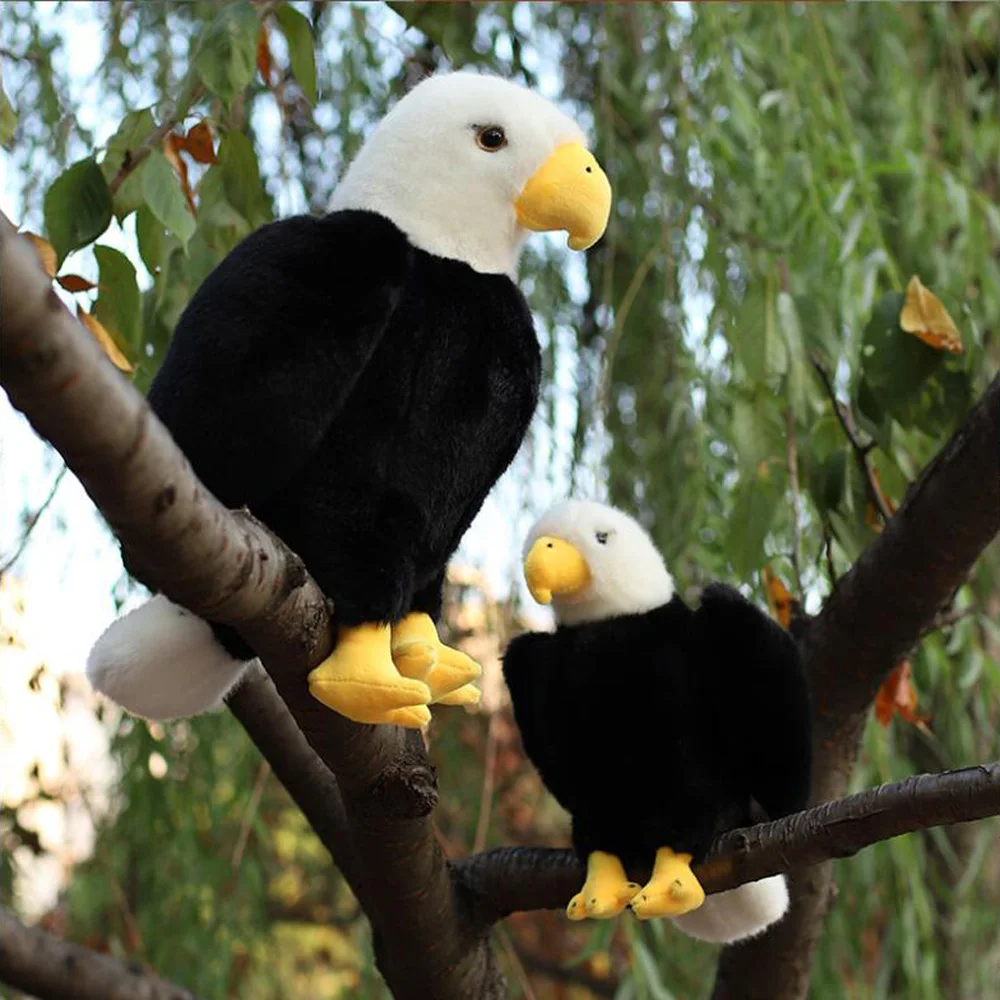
(77, 208)
(298, 33)
(75, 283)
(925, 317)
(165, 197)
(171, 148)
(780, 600)
(46, 253)
(226, 57)
(754, 507)
(198, 144)
(898, 696)
(264, 56)
(105, 339)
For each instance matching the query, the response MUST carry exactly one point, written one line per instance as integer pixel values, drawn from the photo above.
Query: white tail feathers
(738, 913)
(162, 662)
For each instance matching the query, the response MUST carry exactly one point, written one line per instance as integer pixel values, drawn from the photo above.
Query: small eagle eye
(602, 538)
(491, 138)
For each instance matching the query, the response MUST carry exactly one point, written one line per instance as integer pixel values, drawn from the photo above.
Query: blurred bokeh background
(780, 174)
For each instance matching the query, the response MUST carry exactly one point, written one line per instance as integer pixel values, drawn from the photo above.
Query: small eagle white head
(592, 562)
(465, 164)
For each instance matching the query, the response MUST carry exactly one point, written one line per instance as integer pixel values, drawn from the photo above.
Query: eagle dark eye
(491, 138)
(602, 538)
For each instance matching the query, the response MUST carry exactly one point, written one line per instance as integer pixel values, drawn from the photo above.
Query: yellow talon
(468, 694)
(673, 889)
(359, 681)
(606, 892)
(419, 653)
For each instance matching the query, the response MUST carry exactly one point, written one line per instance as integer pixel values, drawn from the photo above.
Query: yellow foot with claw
(359, 681)
(467, 694)
(419, 654)
(671, 891)
(606, 892)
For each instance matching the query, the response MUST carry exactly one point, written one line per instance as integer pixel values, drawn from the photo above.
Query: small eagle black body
(359, 395)
(658, 729)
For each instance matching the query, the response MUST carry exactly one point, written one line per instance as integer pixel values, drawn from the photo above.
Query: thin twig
(515, 963)
(33, 521)
(489, 779)
(862, 449)
(255, 796)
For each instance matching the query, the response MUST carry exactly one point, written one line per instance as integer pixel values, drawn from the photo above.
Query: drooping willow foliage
(780, 174)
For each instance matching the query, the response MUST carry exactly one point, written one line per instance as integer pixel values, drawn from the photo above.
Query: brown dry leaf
(264, 56)
(779, 598)
(171, 149)
(925, 317)
(46, 253)
(898, 696)
(75, 283)
(105, 339)
(198, 144)
(872, 517)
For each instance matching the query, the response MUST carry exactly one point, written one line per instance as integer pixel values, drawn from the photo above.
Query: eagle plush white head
(465, 164)
(592, 562)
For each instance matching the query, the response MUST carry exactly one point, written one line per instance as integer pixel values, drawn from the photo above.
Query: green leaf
(133, 129)
(77, 208)
(298, 34)
(850, 240)
(150, 235)
(8, 120)
(826, 480)
(753, 511)
(241, 179)
(221, 223)
(894, 364)
(118, 302)
(226, 57)
(161, 189)
(798, 366)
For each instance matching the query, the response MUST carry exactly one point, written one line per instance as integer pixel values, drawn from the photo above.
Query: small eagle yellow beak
(568, 191)
(554, 567)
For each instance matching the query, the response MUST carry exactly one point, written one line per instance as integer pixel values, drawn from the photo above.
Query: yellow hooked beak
(554, 567)
(568, 191)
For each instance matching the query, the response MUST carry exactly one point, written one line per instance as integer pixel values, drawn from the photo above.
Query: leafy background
(780, 173)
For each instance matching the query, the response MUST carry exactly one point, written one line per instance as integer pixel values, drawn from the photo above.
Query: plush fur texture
(628, 575)
(663, 727)
(422, 169)
(162, 662)
(746, 911)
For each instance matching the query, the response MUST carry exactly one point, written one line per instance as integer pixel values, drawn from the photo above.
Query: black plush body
(658, 729)
(359, 395)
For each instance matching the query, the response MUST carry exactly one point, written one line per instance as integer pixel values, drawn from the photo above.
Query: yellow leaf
(925, 317)
(46, 253)
(779, 598)
(105, 339)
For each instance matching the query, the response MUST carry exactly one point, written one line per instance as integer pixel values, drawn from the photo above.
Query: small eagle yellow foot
(606, 892)
(671, 891)
(467, 694)
(359, 681)
(419, 654)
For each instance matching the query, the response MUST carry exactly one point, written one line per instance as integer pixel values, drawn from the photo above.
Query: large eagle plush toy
(656, 726)
(360, 381)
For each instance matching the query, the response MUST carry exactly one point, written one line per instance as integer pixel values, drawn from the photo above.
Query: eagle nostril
(550, 546)
(590, 170)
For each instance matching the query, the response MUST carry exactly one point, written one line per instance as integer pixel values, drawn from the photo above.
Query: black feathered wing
(269, 348)
(763, 698)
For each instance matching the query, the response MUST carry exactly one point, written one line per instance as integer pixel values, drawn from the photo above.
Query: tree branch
(227, 567)
(47, 966)
(862, 449)
(511, 879)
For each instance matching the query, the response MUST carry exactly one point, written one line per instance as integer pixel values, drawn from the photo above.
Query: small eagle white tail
(738, 913)
(162, 662)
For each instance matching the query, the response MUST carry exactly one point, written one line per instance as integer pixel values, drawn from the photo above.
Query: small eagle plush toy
(360, 381)
(656, 726)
